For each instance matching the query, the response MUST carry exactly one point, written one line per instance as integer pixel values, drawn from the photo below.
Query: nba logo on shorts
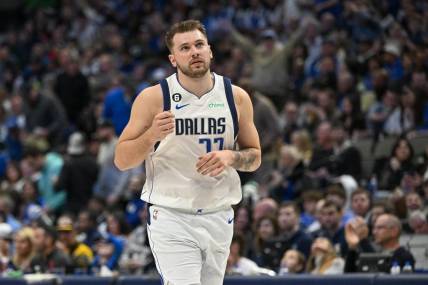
(155, 214)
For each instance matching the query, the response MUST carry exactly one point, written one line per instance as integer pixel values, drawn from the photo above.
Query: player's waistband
(194, 211)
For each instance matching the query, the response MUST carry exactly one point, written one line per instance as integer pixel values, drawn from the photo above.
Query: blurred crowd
(322, 74)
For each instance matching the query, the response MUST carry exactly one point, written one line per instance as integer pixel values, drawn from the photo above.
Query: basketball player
(185, 129)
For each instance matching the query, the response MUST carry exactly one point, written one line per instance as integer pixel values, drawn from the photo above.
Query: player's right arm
(147, 125)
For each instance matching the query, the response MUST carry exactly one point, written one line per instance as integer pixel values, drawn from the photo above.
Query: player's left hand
(213, 163)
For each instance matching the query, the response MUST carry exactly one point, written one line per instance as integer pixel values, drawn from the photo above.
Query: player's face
(191, 53)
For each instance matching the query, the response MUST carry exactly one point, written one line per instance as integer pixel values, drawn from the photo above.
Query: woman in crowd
(323, 259)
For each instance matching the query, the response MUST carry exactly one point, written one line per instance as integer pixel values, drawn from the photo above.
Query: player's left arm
(248, 157)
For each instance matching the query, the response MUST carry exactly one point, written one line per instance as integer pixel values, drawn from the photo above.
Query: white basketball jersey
(202, 125)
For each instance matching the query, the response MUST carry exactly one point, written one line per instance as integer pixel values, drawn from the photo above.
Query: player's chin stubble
(188, 71)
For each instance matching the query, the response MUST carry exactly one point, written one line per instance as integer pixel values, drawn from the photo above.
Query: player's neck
(198, 86)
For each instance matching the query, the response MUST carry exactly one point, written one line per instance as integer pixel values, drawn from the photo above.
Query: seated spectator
(418, 222)
(292, 262)
(6, 209)
(48, 257)
(331, 228)
(386, 232)
(337, 194)
(134, 203)
(238, 264)
(323, 259)
(360, 203)
(390, 171)
(265, 229)
(344, 152)
(24, 250)
(302, 141)
(108, 250)
(86, 227)
(5, 246)
(137, 257)
(81, 254)
(289, 181)
(243, 225)
(290, 236)
(310, 199)
(414, 202)
(379, 207)
(264, 207)
(117, 225)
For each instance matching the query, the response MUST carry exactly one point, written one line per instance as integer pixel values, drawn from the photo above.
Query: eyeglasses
(381, 227)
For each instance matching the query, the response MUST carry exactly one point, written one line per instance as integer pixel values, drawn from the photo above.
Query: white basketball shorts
(190, 248)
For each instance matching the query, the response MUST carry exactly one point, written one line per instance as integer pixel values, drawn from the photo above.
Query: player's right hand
(163, 124)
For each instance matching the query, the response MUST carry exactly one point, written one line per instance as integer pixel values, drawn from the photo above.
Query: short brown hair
(290, 204)
(183, 27)
(360, 191)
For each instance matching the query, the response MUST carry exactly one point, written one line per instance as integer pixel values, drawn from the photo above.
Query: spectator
(117, 106)
(302, 141)
(390, 171)
(323, 259)
(290, 118)
(336, 194)
(265, 230)
(418, 223)
(310, 199)
(49, 166)
(86, 227)
(72, 87)
(81, 255)
(345, 151)
(292, 262)
(323, 151)
(44, 116)
(269, 75)
(402, 118)
(48, 258)
(386, 232)
(108, 250)
(290, 180)
(78, 174)
(264, 207)
(137, 257)
(243, 226)
(134, 203)
(24, 250)
(236, 263)
(6, 207)
(5, 246)
(360, 203)
(331, 228)
(290, 236)
(111, 182)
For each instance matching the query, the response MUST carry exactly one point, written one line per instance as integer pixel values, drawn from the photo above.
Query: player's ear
(211, 52)
(172, 60)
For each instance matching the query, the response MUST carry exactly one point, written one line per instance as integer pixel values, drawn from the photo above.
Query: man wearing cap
(81, 254)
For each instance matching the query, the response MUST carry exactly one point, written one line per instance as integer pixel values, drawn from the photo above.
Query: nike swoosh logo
(230, 220)
(178, 107)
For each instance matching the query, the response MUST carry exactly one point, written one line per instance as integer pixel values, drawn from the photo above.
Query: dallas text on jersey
(200, 126)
